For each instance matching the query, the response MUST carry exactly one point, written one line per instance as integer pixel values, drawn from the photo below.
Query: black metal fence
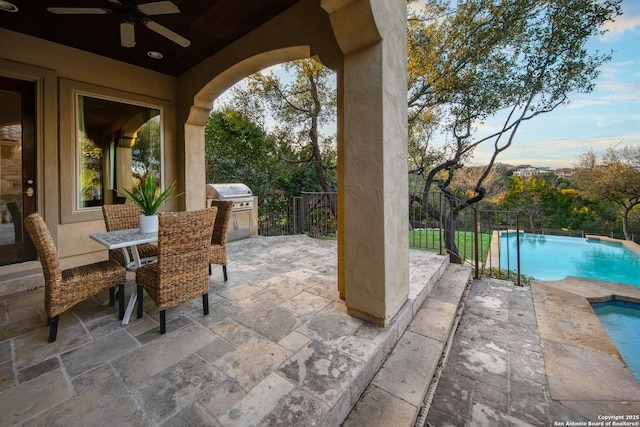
(439, 224)
(315, 214)
(468, 235)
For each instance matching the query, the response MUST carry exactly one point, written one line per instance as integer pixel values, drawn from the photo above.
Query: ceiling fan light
(8, 7)
(127, 34)
(155, 55)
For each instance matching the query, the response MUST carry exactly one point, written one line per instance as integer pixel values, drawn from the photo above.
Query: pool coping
(585, 372)
(631, 245)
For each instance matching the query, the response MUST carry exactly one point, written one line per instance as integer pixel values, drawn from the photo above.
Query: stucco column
(375, 183)
(195, 192)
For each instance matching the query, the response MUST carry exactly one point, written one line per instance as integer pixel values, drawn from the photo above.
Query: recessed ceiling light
(153, 54)
(8, 7)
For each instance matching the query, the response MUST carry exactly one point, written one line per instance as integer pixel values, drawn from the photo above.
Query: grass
(495, 273)
(430, 240)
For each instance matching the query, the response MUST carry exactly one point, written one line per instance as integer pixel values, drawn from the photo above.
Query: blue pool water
(555, 257)
(621, 320)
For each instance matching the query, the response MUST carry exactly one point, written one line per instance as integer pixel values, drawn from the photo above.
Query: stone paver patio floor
(276, 349)
(534, 356)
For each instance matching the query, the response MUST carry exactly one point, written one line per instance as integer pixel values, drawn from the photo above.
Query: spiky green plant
(148, 196)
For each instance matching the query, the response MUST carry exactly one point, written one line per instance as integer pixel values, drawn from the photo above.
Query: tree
(614, 178)
(471, 60)
(145, 155)
(467, 176)
(238, 150)
(301, 107)
(555, 203)
(90, 169)
(527, 194)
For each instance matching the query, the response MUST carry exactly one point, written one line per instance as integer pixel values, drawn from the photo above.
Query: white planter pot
(148, 224)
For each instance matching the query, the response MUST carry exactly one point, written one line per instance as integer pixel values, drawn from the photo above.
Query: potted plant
(149, 197)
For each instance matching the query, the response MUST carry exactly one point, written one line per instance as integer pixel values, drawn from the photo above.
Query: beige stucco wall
(49, 64)
(374, 186)
(364, 41)
(308, 34)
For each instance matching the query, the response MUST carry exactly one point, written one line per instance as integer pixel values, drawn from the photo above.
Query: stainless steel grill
(242, 198)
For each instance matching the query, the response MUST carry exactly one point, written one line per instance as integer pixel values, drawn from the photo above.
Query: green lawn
(430, 240)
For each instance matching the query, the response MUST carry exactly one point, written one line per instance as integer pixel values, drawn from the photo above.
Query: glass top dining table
(123, 239)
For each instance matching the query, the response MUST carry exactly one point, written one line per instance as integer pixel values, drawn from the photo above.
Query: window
(118, 145)
(109, 140)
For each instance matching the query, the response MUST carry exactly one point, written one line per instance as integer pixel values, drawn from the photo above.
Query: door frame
(25, 250)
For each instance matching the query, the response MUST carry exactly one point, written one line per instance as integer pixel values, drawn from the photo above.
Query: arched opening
(373, 275)
(275, 131)
(203, 104)
(223, 81)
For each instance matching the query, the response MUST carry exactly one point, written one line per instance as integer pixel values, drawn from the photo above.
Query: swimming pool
(545, 257)
(621, 320)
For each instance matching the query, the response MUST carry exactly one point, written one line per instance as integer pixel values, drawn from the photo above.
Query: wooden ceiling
(210, 25)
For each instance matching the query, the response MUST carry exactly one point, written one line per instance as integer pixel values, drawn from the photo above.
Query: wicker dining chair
(218, 250)
(123, 217)
(180, 274)
(66, 288)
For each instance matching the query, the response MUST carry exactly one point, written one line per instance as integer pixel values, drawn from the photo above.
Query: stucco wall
(302, 31)
(374, 187)
(48, 64)
(364, 41)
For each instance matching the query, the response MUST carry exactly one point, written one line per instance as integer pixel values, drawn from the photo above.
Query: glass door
(17, 169)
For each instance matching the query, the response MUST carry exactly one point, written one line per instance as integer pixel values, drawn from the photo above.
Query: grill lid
(228, 191)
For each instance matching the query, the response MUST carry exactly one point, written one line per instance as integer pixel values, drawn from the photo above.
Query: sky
(607, 117)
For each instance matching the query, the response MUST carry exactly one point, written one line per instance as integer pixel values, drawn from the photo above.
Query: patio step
(396, 396)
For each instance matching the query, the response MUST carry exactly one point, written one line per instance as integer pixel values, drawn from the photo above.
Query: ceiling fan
(131, 12)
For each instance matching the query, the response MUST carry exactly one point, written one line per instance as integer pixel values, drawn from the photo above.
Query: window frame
(71, 210)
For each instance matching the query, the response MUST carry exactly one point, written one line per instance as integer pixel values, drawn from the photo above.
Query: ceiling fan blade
(158, 8)
(78, 10)
(127, 34)
(164, 31)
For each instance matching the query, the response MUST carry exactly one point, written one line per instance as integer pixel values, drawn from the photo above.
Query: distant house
(564, 172)
(526, 171)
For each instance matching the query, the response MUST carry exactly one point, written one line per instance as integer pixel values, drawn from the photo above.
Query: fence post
(440, 225)
(507, 247)
(518, 249)
(475, 244)
(295, 214)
